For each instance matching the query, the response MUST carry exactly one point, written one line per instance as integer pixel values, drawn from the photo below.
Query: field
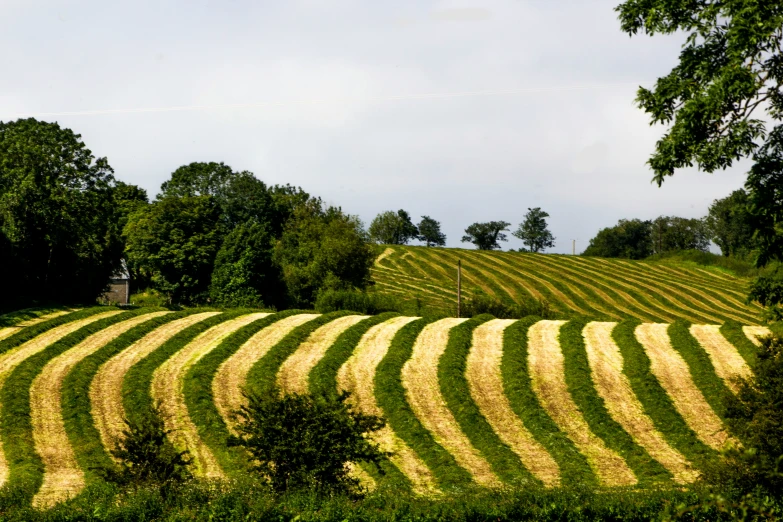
(595, 288)
(482, 401)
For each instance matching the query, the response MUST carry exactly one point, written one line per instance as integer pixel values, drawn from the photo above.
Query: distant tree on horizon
(393, 228)
(729, 223)
(534, 232)
(486, 235)
(629, 238)
(429, 232)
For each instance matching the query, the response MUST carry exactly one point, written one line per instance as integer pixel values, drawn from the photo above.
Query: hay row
(357, 376)
(62, 475)
(229, 381)
(166, 391)
(727, 361)
(606, 370)
(547, 374)
(15, 356)
(295, 370)
(486, 387)
(106, 406)
(673, 374)
(420, 380)
(8, 331)
(754, 332)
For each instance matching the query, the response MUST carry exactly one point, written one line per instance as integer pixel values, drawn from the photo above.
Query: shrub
(301, 442)
(333, 300)
(482, 303)
(149, 298)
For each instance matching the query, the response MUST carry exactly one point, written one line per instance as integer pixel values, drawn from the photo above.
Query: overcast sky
(463, 111)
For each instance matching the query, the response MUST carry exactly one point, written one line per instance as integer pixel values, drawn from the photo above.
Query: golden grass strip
(11, 330)
(386, 253)
(295, 370)
(606, 369)
(106, 406)
(754, 332)
(15, 356)
(229, 381)
(673, 374)
(547, 377)
(485, 381)
(422, 389)
(728, 363)
(167, 392)
(62, 477)
(357, 376)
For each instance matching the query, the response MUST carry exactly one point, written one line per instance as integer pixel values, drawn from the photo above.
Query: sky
(462, 111)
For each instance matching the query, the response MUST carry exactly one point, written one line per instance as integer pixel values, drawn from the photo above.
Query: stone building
(119, 287)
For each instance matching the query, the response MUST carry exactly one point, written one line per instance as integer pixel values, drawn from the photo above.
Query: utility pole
(459, 287)
(573, 247)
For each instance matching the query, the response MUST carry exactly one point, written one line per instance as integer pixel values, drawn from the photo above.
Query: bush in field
(482, 303)
(332, 300)
(302, 442)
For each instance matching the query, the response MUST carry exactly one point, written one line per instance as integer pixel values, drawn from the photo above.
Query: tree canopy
(486, 236)
(729, 223)
(393, 228)
(672, 233)
(630, 238)
(533, 231)
(429, 232)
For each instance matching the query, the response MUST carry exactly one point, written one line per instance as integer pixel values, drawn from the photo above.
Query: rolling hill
(482, 401)
(595, 288)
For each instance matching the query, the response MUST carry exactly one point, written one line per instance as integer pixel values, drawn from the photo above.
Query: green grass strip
(582, 389)
(18, 316)
(197, 389)
(26, 467)
(447, 260)
(703, 372)
(733, 333)
(322, 380)
(456, 392)
(655, 401)
(79, 425)
(136, 395)
(28, 333)
(574, 468)
(390, 395)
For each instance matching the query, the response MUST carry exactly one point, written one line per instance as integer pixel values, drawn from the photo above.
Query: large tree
(393, 228)
(672, 234)
(533, 231)
(730, 70)
(729, 223)
(629, 238)
(173, 242)
(59, 238)
(429, 232)
(486, 236)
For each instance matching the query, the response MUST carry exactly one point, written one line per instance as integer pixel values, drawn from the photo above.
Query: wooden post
(459, 287)
(573, 247)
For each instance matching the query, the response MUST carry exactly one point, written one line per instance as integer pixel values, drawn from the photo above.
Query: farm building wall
(118, 291)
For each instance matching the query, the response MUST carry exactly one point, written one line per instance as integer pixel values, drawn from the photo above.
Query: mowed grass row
(575, 286)
(468, 402)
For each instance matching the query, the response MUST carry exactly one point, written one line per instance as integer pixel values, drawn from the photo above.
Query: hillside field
(482, 401)
(574, 286)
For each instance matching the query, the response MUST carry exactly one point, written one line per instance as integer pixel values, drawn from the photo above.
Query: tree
(429, 232)
(174, 242)
(486, 235)
(299, 442)
(729, 69)
(57, 215)
(322, 248)
(629, 239)
(245, 274)
(534, 232)
(672, 234)
(729, 223)
(393, 228)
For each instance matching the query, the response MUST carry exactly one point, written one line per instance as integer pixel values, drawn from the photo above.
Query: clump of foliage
(393, 228)
(304, 442)
(429, 232)
(486, 236)
(630, 239)
(729, 222)
(767, 289)
(534, 232)
(332, 300)
(672, 233)
(146, 455)
(481, 303)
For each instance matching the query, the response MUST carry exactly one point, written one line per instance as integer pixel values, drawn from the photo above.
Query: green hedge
(26, 467)
(456, 392)
(391, 398)
(582, 389)
(574, 468)
(656, 402)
